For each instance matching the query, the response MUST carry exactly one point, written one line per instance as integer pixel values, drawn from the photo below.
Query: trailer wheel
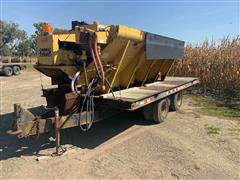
(16, 70)
(160, 110)
(148, 112)
(8, 71)
(176, 101)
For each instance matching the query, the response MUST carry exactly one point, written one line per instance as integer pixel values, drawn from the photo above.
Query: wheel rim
(179, 100)
(164, 109)
(8, 72)
(16, 70)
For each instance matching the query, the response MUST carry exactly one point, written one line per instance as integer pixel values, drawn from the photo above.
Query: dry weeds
(217, 64)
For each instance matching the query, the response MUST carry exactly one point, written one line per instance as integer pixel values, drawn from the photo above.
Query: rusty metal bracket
(28, 124)
(35, 125)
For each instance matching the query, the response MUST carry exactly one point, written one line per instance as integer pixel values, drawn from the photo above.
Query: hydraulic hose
(96, 58)
(73, 82)
(88, 101)
(93, 56)
(99, 61)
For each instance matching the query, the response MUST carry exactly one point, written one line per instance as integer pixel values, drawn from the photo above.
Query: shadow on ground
(99, 133)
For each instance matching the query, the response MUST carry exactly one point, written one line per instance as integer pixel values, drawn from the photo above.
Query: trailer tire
(8, 71)
(176, 101)
(16, 70)
(148, 112)
(160, 110)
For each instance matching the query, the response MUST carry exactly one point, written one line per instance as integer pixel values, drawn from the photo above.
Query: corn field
(217, 64)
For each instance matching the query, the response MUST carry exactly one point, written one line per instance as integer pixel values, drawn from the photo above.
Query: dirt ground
(124, 146)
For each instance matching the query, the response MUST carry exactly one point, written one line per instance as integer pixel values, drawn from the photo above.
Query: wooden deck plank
(142, 92)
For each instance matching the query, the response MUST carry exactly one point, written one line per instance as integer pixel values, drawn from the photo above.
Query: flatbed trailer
(155, 99)
(137, 97)
(10, 69)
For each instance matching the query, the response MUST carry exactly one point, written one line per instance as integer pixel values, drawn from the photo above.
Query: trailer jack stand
(57, 134)
(59, 151)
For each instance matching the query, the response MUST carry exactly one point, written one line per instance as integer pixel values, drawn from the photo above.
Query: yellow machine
(116, 57)
(98, 71)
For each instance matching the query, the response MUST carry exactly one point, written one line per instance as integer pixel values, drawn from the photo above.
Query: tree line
(15, 41)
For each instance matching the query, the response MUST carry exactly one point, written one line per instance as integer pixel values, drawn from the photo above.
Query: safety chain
(35, 124)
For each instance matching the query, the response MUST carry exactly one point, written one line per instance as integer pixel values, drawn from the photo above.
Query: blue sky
(191, 21)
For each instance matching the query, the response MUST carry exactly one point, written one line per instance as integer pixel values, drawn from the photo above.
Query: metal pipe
(57, 129)
(74, 90)
(95, 48)
(85, 72)
(93, 55)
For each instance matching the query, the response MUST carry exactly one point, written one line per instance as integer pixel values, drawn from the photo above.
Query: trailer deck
(136, 97)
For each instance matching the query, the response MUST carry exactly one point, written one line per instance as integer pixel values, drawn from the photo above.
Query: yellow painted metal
(128, 33)
(121, 48)
(135, 67)
(149, 71)
(102, 37)
(123, 56)
(47, 43)
(51, 42)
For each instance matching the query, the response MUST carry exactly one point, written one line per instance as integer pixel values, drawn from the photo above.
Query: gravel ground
(124, 146)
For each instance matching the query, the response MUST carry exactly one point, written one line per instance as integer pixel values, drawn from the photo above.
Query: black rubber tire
(160, 110)
(16, 70)
(148, 112)
(176, 101)
(8, 71)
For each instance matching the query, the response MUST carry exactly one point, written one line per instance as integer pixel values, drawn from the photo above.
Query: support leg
(57, 133)
(57, 130)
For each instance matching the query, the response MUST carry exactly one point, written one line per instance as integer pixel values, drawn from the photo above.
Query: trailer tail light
(142, 103)
(47, 28)
(133, 105)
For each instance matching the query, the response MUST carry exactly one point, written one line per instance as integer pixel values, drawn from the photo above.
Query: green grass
(212, 129)
(29, 67)
(216, 108)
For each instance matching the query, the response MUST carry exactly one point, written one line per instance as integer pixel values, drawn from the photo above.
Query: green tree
(24, 48)
(6, 51)
(10, 37)
(10, 34)
(38, 26)
(33, 44)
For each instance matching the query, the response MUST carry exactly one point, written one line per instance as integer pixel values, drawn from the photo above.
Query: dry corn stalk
(217, 64)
